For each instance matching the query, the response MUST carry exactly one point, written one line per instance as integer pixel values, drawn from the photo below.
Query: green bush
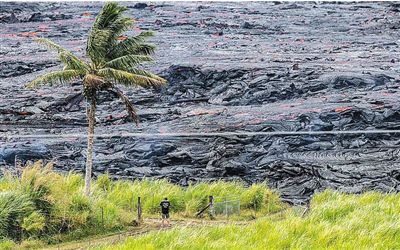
(36, 182)
(14, 207)
(34, 223)
(104, 182)
(6, 244)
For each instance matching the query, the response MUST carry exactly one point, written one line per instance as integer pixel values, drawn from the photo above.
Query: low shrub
(7, 244)
(34, 223)
(14, 208)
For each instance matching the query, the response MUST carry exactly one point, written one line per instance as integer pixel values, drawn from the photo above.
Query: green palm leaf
(65, 56)
(142, 72)
(97, 46)
(108, 25)
(130, 79)
(128, 61)
(110, 12)
(133, 45)
(120, 25)
(56, 77)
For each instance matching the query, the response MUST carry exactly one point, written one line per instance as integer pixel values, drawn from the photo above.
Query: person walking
(165, 205)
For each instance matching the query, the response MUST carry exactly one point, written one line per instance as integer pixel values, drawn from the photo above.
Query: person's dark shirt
(165, 207)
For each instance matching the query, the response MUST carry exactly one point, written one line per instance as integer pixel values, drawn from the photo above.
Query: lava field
(232, 67)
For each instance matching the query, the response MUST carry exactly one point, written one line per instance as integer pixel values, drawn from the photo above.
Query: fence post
(211, 201)
(139, 210)
(102, 217)
(239, 207)
(17, 165)
(226, 208)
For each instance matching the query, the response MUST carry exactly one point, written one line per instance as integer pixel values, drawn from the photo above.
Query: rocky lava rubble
(232, 67)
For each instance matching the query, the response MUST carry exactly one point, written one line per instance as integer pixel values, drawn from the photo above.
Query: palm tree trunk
(91, 110)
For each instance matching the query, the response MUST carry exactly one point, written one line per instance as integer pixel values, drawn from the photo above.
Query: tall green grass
(42, 204)
(335, 221)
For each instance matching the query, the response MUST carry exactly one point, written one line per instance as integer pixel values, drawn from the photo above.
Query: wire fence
(227, 205)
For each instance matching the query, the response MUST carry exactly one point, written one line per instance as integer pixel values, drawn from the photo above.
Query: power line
(201, 134)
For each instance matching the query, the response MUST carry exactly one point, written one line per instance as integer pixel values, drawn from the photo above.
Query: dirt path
(148, 225)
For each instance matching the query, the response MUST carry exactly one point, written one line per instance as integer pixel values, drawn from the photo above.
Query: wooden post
(226, 208)
(139, 209)
(239, 207)
(102, 217)
(211, 201)
(210, 206)
(17, 166)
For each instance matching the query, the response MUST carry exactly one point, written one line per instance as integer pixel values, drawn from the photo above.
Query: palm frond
(116, 29)
(142, 49)
(143, 72)
(65, 56)
(128, 61)
(120, 25)
(72, 62)
(51, 45)
(97, 45)
(108, 25)
(130, 79)
(57, 77)
(129, 107)
(110, 12)
(133, 45)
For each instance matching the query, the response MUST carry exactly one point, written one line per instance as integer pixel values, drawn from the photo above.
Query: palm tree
(112, 59)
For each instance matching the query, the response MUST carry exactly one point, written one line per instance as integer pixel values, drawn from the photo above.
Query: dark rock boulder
(9, 18)
(140, 6)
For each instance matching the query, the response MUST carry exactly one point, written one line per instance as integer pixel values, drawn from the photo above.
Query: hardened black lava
(243, 67)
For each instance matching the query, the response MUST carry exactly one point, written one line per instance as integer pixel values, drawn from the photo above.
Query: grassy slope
(335, 221)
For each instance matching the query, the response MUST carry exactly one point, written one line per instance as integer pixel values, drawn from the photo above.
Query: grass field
(42, 207)
(335, 221)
